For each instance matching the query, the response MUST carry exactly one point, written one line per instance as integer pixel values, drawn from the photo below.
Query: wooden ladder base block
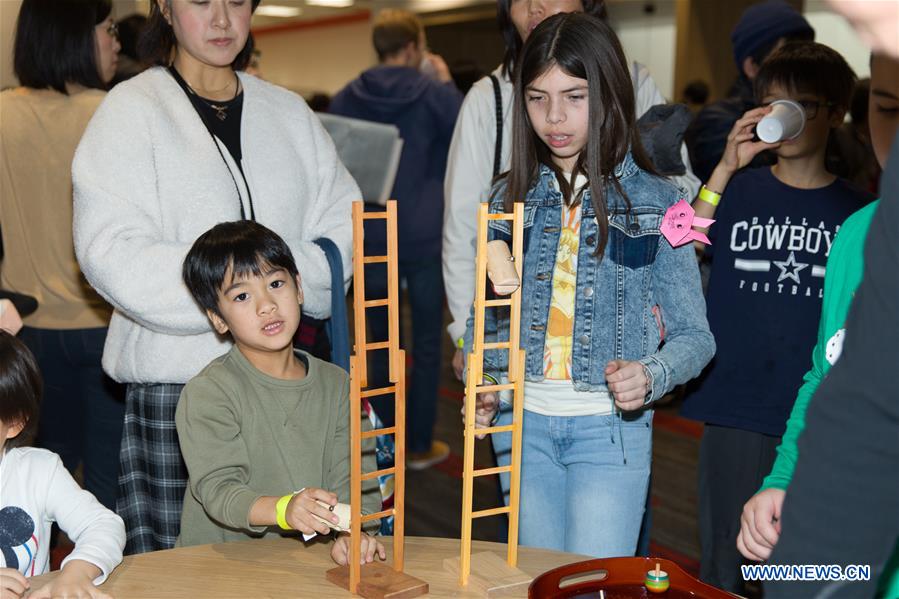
(491, 576)
(379, 581)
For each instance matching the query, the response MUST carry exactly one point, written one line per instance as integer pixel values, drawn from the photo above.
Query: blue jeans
(82, 408)
(424, 282)
(584, 481)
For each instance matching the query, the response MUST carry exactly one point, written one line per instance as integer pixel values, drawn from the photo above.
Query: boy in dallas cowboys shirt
(774, 229)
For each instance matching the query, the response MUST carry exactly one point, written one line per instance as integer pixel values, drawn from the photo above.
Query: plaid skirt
(152, 474)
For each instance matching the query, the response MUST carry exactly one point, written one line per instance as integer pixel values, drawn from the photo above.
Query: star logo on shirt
(789, 268)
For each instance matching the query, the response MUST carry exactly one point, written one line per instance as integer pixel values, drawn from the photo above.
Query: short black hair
(596, 8)
(242, 248)
(55, 43)
(20, 388)
(158, 40)
(811, 68)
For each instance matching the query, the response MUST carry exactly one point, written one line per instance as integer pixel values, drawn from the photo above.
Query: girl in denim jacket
(612, 316)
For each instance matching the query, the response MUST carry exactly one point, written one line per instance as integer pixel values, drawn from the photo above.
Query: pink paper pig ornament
(678, 222)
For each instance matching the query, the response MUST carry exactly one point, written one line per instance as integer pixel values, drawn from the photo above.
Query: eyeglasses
(113, 30)
(809, 106)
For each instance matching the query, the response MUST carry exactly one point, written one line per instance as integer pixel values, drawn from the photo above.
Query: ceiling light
(275, 10)
(331, 3)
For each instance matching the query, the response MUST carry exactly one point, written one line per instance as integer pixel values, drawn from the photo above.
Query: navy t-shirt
(770, 247)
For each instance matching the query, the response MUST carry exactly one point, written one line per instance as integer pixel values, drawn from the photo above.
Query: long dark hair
(55, 43)
(158, 40)
(597, 8)
(584, 47)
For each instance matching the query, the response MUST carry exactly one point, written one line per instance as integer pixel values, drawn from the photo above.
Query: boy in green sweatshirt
(264, 429)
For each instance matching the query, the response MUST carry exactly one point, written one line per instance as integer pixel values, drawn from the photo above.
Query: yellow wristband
(281, 511)
(460, 342)
(708, 196)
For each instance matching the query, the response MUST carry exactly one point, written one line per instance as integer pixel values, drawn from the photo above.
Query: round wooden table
(284, 567)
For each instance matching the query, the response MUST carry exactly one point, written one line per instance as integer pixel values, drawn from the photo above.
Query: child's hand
(76, 580)
(340, 552)
(13, 584)
(760, 524)
(628, 384)
(486, 406)
(301, 507)
(740, 149)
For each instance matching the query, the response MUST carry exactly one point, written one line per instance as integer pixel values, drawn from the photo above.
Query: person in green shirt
(264, 429)
(760, 521)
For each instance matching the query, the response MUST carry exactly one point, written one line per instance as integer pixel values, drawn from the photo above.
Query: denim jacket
(643, 301)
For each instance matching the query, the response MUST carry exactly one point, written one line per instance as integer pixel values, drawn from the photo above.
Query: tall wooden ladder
(474, 385)
(358, 390)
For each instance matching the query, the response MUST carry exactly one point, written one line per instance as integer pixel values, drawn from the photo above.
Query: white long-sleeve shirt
(469, 175)
(35, 491)
(149, 180)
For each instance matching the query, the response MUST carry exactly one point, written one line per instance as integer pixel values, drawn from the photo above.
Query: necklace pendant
(221, 112)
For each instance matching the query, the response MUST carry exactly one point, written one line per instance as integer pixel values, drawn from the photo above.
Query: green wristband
(708, 196)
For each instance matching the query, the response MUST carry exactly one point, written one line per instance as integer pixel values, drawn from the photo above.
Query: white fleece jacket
(469, 177)
(148, 180)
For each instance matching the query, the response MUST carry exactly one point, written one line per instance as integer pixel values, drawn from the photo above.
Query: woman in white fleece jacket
(169, 154)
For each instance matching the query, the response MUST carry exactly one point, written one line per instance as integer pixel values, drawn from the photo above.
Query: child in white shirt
(36, 490)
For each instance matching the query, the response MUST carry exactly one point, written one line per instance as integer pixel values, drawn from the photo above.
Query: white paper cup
(785, 121)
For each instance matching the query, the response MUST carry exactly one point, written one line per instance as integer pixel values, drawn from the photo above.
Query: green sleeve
(844, 271)
(787, 451)
(337, 472)
(888, 585)
(217, 461)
